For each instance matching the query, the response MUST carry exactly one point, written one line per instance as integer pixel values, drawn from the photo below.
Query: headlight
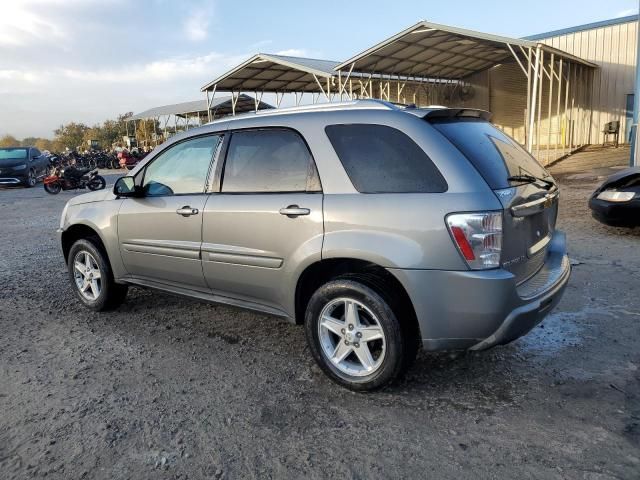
(20, 167)
(615, 196)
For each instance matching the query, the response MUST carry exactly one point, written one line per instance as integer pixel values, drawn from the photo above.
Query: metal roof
(219, 106)
(580, 28)
(431, 50)
(269, 72)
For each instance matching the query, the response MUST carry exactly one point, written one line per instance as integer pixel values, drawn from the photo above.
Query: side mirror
(126, 187)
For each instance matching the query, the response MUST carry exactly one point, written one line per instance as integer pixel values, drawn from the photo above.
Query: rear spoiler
(443, 113)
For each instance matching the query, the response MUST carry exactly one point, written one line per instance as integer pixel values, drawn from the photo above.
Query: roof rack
(363, 104)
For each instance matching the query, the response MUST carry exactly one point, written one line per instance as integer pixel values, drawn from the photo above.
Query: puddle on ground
(560, 330)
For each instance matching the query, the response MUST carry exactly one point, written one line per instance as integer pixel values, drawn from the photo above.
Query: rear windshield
(382, 159)
(495, 155)
(13, 153)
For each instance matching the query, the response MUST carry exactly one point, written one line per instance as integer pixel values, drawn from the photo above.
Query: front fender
(101, 217)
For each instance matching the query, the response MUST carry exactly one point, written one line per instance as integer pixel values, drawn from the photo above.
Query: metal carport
(429, 63)
(431, 51)
(279, 74)
(185, 113)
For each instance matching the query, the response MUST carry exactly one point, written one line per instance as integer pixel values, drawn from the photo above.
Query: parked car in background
(22, 166)
(380, 228)
(617, 201)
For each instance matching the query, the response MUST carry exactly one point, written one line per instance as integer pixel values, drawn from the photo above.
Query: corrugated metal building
(603, 95)
(611, 45)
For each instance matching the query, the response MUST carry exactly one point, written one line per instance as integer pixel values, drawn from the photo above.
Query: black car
(617, 201)
(22, 166)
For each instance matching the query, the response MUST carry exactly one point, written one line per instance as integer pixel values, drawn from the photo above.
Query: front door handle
(293, 211)
(187, 211)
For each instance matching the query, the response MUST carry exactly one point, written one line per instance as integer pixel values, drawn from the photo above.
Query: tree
(28, 141)
(9, 141)
(92, 133)
(43, 144)
(112, 131)
(69, 136)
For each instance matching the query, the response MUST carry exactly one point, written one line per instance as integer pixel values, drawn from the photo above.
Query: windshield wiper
(546, 184)
(528, 178)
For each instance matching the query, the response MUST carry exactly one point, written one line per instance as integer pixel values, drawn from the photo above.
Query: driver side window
(182, 169)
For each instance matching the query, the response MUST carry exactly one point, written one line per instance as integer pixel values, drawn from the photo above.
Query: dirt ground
(171, 388)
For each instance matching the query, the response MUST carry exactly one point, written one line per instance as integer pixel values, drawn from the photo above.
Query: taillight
(478, 236)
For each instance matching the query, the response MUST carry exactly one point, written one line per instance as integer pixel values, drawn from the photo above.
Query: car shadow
(462, 380)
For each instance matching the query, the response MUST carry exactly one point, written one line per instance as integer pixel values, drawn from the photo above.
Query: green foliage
(43, 144)
(69, 136)
(74, 135)
(28, 142)
(9, 141)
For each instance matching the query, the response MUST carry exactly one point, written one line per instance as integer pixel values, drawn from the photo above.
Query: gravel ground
(171, 388)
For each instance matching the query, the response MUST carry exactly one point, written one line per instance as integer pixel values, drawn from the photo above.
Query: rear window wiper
(525, 178)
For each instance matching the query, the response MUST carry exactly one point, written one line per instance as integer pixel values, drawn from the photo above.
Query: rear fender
(51, 179)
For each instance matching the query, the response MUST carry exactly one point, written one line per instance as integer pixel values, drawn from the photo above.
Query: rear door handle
(293, 211)
(187, 211)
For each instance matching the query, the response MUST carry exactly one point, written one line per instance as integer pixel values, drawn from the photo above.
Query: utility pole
(635, 144)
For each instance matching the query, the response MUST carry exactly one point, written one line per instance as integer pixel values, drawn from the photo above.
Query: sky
(89, 60)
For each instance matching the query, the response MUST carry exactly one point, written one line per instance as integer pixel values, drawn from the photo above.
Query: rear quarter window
(382, 159)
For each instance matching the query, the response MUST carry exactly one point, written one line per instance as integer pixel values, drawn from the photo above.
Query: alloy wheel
(351, 337)
(87, 275)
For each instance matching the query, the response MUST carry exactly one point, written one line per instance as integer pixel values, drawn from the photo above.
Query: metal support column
(532, 106)
(635, 143)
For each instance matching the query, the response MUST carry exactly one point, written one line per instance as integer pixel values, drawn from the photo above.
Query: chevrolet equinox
(379, 228)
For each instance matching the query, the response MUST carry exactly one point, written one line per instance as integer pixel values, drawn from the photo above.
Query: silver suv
(380, 229)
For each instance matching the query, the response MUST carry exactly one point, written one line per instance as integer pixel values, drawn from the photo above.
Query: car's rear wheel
(355, 335)
(52, 188)
(91, 276)
(97, 183)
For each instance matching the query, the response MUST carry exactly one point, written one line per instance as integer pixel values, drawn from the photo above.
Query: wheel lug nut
(342, 331)
(346, 342)
(359, 334)
(357, 345)
(350, 327)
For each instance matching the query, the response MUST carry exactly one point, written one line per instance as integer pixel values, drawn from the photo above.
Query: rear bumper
(480, 309)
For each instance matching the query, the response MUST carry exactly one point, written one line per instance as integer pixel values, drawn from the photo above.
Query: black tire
(97, 183)
(111, 294)
(52, 188)
(31, 180)
(400, 349)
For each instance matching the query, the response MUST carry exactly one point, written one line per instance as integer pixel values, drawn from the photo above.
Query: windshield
(13, 153)
(495, 155)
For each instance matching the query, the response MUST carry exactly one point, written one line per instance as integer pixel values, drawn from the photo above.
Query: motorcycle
(72, 178)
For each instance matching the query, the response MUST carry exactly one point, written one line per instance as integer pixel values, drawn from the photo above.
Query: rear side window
(382, 159)
(495, 155)
(272, 160)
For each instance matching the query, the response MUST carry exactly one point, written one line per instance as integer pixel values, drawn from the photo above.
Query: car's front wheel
(31, 179)
(355, 336)
(91, 276)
